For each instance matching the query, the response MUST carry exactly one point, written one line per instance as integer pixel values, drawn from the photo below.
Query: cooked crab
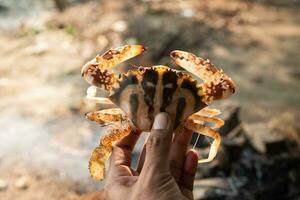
(143, 92)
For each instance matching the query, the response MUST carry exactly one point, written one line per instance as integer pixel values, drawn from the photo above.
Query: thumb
(158, 145)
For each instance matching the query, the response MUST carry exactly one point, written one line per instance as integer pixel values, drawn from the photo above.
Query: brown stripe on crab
(143, 92)
(170, 84)
(130, 96)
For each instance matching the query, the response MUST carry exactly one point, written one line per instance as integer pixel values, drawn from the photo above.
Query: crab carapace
(143, 92)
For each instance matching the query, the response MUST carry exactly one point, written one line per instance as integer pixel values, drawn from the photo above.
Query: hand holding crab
(142, 93)
(166, 170)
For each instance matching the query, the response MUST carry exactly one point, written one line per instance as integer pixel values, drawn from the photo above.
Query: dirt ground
(45, 140)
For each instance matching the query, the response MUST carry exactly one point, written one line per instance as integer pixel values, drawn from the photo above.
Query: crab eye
(169, 86)
(150, 84)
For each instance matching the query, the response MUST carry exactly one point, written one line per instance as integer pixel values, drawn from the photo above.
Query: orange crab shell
(144, 92)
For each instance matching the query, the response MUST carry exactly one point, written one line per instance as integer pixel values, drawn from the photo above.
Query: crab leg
(97, 71)
(101, 100)
(104, 117)
(201, 129)
(216, 121)
(209, 112)
(103, 151)
(217, 85)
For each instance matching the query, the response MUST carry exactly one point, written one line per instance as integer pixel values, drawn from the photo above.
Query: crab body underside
(143, 92)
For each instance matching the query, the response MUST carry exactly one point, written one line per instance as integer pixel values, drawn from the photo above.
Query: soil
(44, 137)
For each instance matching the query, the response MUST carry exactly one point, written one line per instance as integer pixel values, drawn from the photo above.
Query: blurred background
(45, 140)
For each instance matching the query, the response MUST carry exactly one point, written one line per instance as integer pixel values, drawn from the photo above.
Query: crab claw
(98, 71)
(96, 76)
(221, 88)
(217, 85)
(113, 57)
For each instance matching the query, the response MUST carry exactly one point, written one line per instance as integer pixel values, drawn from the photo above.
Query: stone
(264, 139)
(3, 185)
(230, 115)
(22, 183)
(214, 188)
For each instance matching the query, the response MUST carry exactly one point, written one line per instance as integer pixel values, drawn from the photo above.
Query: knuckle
(156, 139)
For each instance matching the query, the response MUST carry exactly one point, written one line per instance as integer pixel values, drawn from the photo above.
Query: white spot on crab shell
(150, 84)
(91, 91)
(169, 85)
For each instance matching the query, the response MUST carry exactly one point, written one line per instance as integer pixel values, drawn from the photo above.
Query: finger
(178, 150)
(122, 150)
(121, 156)
(187, 178)
(158, 145)
(141, 159)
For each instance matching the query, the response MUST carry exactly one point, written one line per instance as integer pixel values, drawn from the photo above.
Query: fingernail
(161, 121)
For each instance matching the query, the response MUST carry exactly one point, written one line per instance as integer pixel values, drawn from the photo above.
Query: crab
(142, 92)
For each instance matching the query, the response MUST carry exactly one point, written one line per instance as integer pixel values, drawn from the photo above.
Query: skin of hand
(166, 168)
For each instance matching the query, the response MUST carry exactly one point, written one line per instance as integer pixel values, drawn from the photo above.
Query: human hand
(166, 169)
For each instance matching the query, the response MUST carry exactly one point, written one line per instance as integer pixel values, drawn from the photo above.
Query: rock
(230, 115)
(61, 5)
(119, 26)
(204, 188)
(3, 185)
(235, 137)
(3, 8)
(22, 183)
(234, 144)
(264, 139)
(295, 73)
(187, 13)
(287, 124)
(217, 188)
(39, 48)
